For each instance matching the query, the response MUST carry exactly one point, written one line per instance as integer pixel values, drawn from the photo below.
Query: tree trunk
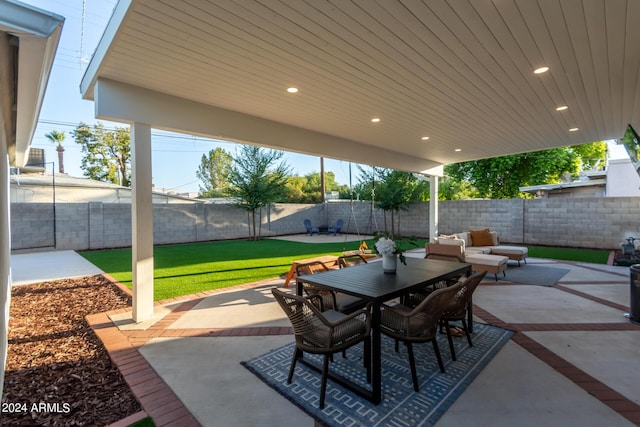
(60, 151)
(260, 226)
(249, 223)
(384, 215)
(399, 233)
(393, 229)
(253, 215)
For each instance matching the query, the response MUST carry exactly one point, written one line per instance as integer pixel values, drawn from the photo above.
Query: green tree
(501, 177)
(258, 178)
(106, 154)
(592, 156)
(396, 192)
(214, 172)
(368, 179)
(452, 189)
(306, 189)
(312, 186)
(57, 138)
(294, 189)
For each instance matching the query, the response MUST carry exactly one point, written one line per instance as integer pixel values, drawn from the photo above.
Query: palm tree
(57, 137)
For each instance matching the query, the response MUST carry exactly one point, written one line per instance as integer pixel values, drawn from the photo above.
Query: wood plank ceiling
(459, 72)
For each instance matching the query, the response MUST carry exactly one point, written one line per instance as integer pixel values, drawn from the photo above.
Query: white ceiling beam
(120, 102)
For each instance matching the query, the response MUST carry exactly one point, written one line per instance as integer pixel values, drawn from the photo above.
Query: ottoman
(490, 263)
(516, 253)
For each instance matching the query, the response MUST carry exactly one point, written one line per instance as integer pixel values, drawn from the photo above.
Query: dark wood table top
(368, 281)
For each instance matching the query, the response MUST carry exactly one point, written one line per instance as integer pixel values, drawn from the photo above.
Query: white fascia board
(91, 74)
(120, 102)
(574, 184)
(17, 17)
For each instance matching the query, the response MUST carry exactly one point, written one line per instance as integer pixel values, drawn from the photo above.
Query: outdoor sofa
(481, 248)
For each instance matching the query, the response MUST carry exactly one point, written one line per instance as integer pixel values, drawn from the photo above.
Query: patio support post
(433, 207)
(141, 222)
(5, 251)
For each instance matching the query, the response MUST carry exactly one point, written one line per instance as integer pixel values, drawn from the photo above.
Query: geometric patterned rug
(401, 405)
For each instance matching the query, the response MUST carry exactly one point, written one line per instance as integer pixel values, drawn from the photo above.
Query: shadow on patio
(572, 361)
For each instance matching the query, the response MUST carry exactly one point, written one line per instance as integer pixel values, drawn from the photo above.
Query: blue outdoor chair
(337, 229)
(310, 228)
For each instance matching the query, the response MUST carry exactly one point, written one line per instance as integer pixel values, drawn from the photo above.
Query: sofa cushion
(478, 250)
(484, 259)
(481, 237)
(513, 252)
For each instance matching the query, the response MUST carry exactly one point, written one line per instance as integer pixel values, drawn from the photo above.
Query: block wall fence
(601, 223)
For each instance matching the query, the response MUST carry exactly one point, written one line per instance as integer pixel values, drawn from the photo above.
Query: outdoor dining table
(369, 282)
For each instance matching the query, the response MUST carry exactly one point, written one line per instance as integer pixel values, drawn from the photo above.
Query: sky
(175, 157)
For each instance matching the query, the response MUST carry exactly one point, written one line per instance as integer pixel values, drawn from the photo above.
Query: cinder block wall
(32, 225)
(600, 222)
(81, 226)
(577, 222)
(504, 216)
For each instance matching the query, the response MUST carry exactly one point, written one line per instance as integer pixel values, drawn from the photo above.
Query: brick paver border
(616, 401)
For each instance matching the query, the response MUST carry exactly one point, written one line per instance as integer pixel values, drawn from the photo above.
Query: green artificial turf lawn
(568, 254)
(191, 268)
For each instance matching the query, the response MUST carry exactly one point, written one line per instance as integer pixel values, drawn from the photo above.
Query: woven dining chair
(324, 333)
(417, 325)
(458, 306)
(330, 300)
(417, 297)
(345, 261)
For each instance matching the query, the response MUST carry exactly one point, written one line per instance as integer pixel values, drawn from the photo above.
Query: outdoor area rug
(400, 405)
(528, 274)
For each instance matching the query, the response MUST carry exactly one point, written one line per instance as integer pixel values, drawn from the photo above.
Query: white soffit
(38, 33)
(458, 72)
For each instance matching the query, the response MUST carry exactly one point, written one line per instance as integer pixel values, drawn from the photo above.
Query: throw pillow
(481, 237)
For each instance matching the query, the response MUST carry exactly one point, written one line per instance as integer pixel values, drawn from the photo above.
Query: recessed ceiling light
(562, 108)
(541, 70)
(424, 138)
(458, 149)
(292, 89)
(573, 129)
(376, 120)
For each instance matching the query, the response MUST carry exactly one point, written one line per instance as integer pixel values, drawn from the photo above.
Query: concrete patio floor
(573, 360)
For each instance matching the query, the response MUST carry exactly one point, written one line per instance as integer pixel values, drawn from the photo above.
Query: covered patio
(403, 85)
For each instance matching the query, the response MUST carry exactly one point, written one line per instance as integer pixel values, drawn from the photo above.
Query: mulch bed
(58, 372)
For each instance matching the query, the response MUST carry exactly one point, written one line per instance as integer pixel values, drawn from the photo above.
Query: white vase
(389, 263)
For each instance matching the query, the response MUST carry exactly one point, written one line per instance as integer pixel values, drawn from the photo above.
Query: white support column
(433, 207)
(5, 251)
(141, 222)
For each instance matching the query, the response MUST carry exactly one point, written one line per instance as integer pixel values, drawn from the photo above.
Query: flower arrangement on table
(385, 245)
